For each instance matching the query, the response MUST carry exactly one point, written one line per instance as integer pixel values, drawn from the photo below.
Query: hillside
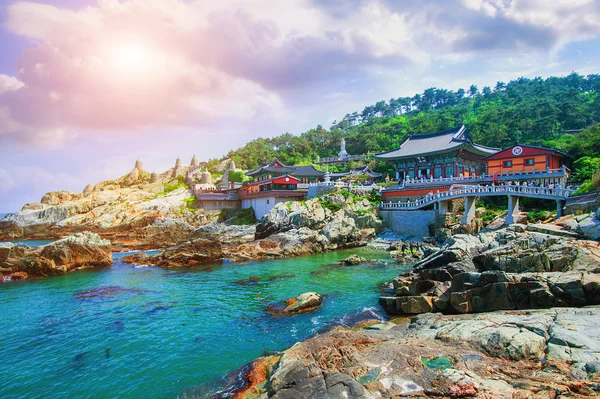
(531, 111)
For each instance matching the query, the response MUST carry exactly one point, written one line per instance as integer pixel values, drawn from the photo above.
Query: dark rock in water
(157, 309)
(355, 319)
(199, 339)
(106, 291)
(107, 353)
(249, 281)
(353, 260)
(119, 325)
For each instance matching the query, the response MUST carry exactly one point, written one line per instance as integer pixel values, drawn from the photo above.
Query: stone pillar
(469, 210)
(443, 207)
(513, 209)
(560, 204)
(397, 175)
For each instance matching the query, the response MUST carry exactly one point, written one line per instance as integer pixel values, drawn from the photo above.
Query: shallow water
(132, 332)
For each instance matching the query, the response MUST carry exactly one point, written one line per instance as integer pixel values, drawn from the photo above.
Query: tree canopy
(529, 111)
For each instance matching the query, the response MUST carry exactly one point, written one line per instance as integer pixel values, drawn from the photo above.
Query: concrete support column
(469, 210)
(443, 207)
(397, 175)
(513, 209)
(560, 204)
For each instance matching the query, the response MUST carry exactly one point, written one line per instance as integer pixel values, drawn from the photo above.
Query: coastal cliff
(139, 210)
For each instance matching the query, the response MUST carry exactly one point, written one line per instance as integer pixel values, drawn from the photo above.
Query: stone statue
(153, 177)
(231, 165)
(343, 153)
(178, 163)
(138, 165)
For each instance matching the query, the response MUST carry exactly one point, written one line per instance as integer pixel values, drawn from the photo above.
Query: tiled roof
(307, 170)
(443, 141)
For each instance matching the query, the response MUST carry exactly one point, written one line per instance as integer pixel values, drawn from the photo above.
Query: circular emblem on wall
(517, 150)
(287, 179)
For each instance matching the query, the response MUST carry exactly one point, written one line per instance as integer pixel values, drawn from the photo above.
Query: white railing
(557, 193)
(533, 174)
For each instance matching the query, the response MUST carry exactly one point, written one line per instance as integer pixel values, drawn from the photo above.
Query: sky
(89, 86)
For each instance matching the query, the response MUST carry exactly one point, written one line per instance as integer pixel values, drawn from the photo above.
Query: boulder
(303, 303)
(353, 260)
(81, 250)
(192, 253)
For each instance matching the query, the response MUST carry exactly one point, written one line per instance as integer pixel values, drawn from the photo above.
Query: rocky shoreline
(547, 353)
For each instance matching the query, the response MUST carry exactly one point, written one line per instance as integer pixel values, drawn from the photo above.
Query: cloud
(137, 64)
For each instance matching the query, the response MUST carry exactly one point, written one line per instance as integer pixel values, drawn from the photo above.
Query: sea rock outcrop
(303, 303)
(299, 228)
(78, 251)
(510, 268)
(534, 354)
(191, 253)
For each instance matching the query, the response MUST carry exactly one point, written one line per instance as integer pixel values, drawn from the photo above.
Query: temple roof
(356, 172)
(439, 142)
(275, 166)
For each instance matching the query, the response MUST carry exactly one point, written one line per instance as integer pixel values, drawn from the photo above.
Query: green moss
(240, 217)
(537, 216)
(333, 207)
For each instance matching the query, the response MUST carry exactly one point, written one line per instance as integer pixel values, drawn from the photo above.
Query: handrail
(557, 193)
(481, 178)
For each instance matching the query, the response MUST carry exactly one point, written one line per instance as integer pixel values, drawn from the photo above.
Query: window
(529, 162)
(267, 201)
(506, 164)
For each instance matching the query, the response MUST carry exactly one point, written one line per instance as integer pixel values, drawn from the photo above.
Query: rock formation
(192, 253)
(75, 252)
(512, 268)
(136, 176)
(535, 354)
(303, 303)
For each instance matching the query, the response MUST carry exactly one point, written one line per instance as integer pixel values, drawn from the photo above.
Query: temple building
(305, 174)
(524, 158)
(449, 153)
(263, 195)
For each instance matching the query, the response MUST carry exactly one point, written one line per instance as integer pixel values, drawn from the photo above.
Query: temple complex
(263, 195)
(449, 153)
(305, 174)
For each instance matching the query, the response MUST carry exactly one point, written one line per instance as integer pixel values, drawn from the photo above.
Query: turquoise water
(129, 332)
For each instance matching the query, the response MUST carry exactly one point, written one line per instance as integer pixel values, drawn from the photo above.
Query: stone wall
(409, 223)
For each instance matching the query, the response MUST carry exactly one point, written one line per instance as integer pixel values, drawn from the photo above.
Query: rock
(590, 227)
(78, 251)
(492, 355)
(303, 303)
(88, 190)
(191, 253)
(353, 260)
(5, 250)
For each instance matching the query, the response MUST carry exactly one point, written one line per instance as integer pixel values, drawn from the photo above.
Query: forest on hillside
(529, 111)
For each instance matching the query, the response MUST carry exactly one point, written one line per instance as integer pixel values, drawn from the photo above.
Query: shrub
(537, 216)
(333, 207)
(237, 176)
(240, 217)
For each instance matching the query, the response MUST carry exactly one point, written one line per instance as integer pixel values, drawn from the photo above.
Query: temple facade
(449, 153)
(305, 174)
(263, 195)
(525, 158)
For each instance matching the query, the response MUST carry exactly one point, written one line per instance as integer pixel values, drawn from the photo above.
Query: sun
(130, 57)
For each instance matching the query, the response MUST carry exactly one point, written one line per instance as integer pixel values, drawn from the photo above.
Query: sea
(133, 332)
